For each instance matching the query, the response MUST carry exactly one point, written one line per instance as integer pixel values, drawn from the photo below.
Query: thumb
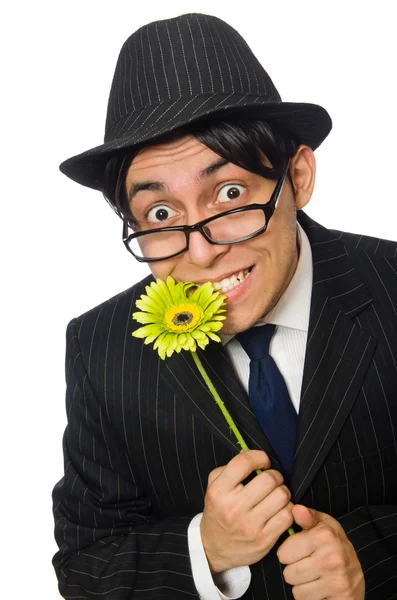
(306, 517)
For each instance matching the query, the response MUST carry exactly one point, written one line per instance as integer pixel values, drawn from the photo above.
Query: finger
(260, 487)
(270, 507)
(302, 571)
(214, 474)
(314, 590)
(307, 518)
(239, 468)
(297, 547)
(278, 523)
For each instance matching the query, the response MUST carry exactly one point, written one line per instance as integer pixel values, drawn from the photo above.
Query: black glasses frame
(268, 210)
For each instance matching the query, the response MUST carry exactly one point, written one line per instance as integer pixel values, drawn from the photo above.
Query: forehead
(179, 164)
(182, 154)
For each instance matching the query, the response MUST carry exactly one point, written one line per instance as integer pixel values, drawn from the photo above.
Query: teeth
(229, 283)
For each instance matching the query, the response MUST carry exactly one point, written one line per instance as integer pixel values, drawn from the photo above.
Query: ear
(303, 175)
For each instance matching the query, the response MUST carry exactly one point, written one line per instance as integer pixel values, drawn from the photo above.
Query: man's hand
(321, 561)
(241, 523)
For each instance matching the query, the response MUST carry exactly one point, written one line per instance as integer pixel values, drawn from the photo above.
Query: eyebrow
(211, 169)
(152, 186)
(160, 186)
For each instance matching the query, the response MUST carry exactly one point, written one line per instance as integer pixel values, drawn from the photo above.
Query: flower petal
(179, 292)
(182, 339)
(214, 306)
(198, 335)
(203, 293)
(146, 304)
(155, 296)
(159, 340)
(211, 299)
(165, 342)
(171, 345)
(149, 339)
(144, 317)
(171, 285)
(186, 286)
(147, 330)
(214, 337)
(203, 343)
(215, 325)
(165, 292)
(192, 345)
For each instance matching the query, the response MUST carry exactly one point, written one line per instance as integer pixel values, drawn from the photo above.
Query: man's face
(180, 190)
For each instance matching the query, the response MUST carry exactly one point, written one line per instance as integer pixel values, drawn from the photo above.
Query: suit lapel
(182, 375)
(338, 353)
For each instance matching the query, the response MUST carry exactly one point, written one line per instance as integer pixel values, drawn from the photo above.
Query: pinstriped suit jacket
(143, 434)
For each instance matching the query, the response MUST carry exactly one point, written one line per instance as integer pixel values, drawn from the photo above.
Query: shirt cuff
(228, 585)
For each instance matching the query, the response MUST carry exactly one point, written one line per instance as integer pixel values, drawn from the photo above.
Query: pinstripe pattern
(174, 71)
(143, 434)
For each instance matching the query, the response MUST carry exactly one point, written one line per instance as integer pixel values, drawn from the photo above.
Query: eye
(229, 192)
(160, 214)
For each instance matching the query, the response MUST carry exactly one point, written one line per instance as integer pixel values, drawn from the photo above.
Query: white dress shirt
(287, 347)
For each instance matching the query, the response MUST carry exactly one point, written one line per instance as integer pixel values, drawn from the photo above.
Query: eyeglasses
(230, 227)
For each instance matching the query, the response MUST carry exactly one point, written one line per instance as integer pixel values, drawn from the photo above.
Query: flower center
(182, 317)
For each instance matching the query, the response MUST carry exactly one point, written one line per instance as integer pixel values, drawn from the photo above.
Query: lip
(236, 292)
(224, 276)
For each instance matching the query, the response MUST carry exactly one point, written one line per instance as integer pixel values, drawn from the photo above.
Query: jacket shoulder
(374, 259)
(355, 242)
(374, 246)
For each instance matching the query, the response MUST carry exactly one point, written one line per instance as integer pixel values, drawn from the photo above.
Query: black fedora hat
(172, 72)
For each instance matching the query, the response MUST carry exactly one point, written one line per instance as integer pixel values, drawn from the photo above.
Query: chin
(240, 320)
(238, 324)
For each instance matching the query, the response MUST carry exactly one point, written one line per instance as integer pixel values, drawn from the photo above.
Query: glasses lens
(237, 226)
(158, 244)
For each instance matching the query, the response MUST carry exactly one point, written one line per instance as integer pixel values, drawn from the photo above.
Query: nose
(202, 253)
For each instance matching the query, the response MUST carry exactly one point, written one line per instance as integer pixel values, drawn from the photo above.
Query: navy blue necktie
(269, 396)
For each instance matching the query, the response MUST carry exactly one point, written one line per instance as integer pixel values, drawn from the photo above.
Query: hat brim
(309, 123)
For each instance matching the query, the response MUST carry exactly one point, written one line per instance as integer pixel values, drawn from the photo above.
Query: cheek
(282, 229)
(161, 270)
(157, 271)
(278, 256)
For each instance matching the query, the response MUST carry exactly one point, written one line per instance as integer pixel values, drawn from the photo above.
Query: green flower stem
(224, 410)
(219, 401)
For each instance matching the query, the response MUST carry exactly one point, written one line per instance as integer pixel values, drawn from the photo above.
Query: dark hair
(239, 141)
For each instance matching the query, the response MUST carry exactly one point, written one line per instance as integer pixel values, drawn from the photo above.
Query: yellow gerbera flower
(177, 318)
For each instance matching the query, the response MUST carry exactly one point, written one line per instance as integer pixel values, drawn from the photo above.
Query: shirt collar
(293, 308)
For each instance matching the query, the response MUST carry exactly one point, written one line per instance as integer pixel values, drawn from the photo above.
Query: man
(157, 501)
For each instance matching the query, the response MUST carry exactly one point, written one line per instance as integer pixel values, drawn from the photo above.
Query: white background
(61, 244)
